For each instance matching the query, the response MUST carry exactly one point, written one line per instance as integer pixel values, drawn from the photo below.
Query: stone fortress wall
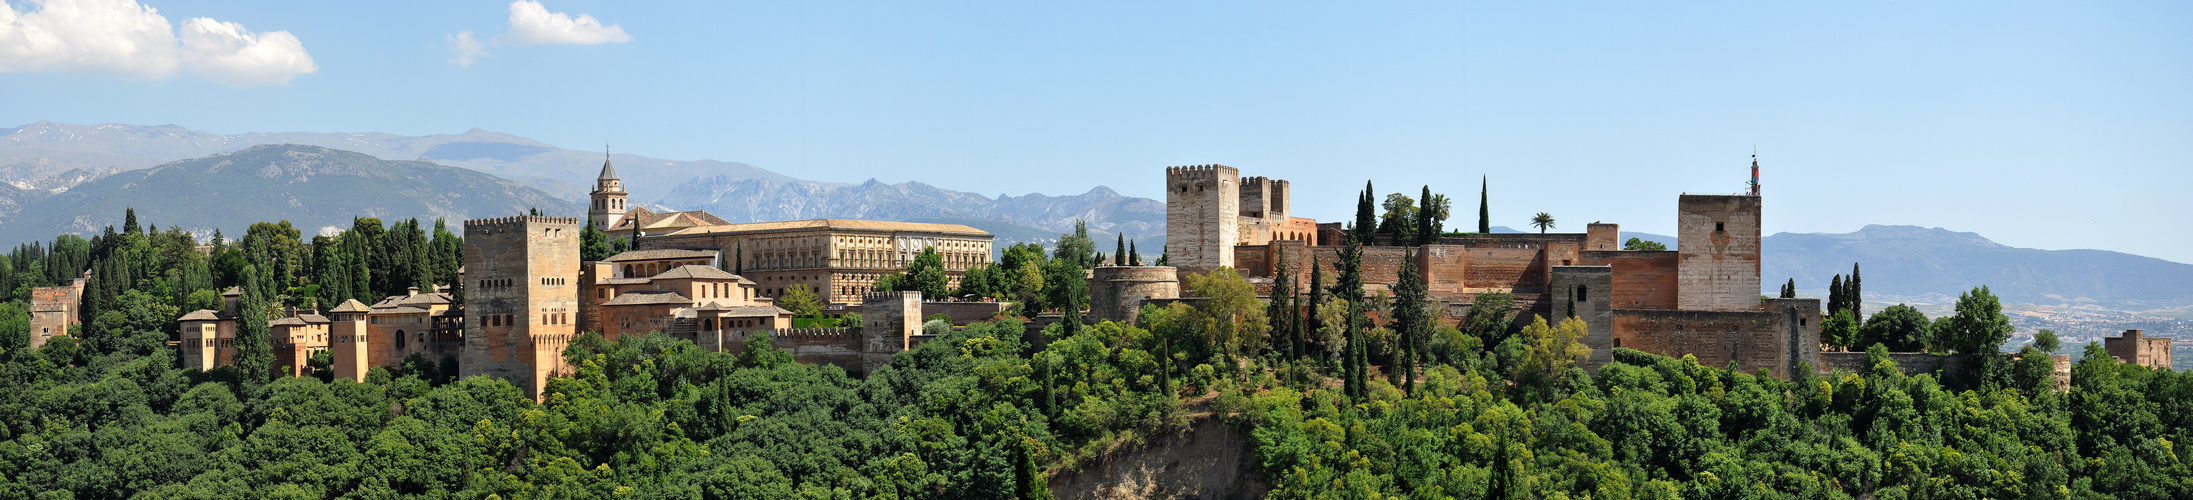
(1701, 299)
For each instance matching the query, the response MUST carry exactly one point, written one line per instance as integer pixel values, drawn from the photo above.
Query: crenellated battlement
(792, 333)
(1195, 171)
(502, 223)
(888, 296)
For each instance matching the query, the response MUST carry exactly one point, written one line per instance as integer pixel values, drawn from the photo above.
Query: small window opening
(1582, 293)
(1718, 227)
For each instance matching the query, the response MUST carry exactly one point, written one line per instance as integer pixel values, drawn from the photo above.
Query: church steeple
(608, 195)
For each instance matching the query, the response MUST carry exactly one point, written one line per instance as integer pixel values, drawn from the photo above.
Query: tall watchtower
(521, 298)
(1717, 253)
(608, 207)
(1202, 216)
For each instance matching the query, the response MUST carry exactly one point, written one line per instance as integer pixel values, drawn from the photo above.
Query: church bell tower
(608, 208)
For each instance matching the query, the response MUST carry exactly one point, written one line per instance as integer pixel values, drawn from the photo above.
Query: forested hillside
(1357, 397)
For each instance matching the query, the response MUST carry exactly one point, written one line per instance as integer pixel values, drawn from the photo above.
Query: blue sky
(2050, 125)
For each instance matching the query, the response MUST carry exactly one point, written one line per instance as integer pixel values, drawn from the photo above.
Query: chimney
(413, 293)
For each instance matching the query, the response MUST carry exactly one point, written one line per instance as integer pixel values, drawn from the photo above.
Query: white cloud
(532, 24)
(463, 49)
(124, 38)
(228, 54)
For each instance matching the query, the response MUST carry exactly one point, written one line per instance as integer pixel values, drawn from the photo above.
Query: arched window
(399, 340)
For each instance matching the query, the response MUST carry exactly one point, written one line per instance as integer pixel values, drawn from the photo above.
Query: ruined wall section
(1202, 216)
(2137, 348)
(1718, 245)
(526, 271)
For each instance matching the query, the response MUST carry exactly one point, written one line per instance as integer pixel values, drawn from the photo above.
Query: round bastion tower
(608, 208)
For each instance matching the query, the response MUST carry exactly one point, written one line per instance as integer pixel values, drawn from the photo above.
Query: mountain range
(313, 187)
(78, 178)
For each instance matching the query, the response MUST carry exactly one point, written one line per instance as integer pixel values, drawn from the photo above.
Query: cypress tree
(1119, 252)
(129, 221)
(1366, 216)
(1484, 205)
(254, 353)
(740, 261)
(1425, 234)
(1317, 298)
(1411, 320)
(1350, 287)
(1853, 296)
(1134, 257)
(1789, 291)
(1835, 295)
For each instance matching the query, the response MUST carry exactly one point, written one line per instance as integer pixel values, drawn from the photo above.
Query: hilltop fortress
(527, 294)
(1701, 299)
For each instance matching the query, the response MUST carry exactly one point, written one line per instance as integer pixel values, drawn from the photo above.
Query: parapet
(889, 296)
(790, 333)
(495, 224)
(1196, 171)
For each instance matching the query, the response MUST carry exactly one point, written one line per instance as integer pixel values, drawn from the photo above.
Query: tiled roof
(425, 298)
(203, 315)
(834, 224)
(650, 297)
(622, 281)
(313, 318)
(400, 310)
(667, 253)
(290, 321)
(745, 311)
(695, 272)
(351, 306)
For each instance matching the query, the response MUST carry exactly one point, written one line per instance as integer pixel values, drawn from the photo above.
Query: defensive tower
(521, 297)
(1717, 247)
(1202, 216)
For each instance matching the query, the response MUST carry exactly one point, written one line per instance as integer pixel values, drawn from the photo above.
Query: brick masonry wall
(1754, 339)
(519, 253)
(1642, 280)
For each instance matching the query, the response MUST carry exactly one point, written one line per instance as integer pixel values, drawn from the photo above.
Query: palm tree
(1543, 222)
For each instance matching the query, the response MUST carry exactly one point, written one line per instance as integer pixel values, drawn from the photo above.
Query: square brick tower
(1202, 216)
(1717, 253)
(521, 298)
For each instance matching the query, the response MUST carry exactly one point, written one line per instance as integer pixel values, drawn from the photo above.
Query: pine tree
(1484, 206)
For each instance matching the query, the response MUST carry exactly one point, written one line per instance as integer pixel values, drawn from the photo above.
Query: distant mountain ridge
(313, 187)
(1916, 261)
(43, 148)
(756, 200)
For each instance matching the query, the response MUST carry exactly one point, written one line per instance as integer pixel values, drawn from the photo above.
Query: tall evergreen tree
(1411, 322)
(1134, 257)
(1119, 250)
(1317, 298)
(1854, 293)
(1835, 295)
(1789, 291)
(254, 352)
(1366, 216)
(1426, 232)
(1349, 287)
(129, 221)
(1484, 206)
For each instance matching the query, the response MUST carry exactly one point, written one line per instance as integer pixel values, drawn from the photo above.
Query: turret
(608, 195)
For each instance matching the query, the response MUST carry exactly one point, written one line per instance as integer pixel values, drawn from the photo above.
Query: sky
(2050, 125)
